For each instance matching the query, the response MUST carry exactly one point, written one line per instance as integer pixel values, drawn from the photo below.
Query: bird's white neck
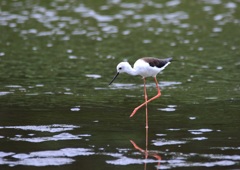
(130, 70)
(125, 67)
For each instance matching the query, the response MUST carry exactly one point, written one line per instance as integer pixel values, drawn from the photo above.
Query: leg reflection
(146, 152)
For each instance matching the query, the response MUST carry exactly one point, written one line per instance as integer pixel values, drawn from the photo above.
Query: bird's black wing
(155, 62)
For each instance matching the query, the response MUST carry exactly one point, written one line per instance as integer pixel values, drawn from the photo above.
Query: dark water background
(58, 112)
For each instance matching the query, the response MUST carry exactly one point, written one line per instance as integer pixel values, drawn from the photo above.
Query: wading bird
(145, 67)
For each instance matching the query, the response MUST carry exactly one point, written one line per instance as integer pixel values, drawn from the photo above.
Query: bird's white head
(123, 67)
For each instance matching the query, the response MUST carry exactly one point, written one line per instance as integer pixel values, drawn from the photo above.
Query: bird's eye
(120, 68)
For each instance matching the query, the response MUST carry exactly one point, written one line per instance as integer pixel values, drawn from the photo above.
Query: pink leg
(146, 98)
(146, 150)
(153, 98)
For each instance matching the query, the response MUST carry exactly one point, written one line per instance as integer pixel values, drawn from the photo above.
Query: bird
(145, 67)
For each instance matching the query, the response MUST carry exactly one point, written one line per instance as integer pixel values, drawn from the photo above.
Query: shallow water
(57, 110)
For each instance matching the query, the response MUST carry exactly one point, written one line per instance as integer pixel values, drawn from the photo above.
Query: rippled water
(57, 110)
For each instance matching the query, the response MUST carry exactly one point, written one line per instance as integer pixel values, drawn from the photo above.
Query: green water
(58, 112)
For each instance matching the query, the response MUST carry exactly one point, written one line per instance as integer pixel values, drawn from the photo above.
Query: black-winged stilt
(145, 67)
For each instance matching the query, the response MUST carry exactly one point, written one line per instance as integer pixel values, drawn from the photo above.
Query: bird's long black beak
(114, 78)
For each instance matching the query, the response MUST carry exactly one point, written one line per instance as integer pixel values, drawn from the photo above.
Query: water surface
(57, 110)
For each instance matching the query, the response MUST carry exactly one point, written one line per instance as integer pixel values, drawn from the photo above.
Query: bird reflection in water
(146, 152)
